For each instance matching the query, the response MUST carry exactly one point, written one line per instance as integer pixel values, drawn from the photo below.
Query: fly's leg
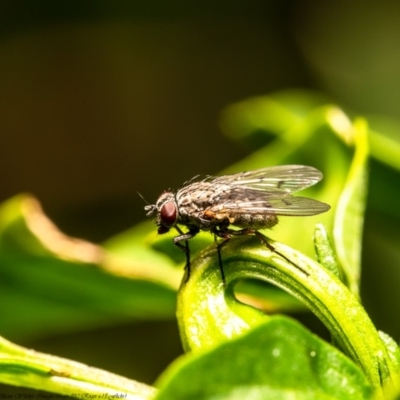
(223, 233)
(185, 247)
(226, 238)
(264, 241)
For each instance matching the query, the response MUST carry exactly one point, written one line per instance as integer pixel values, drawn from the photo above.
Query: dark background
(100, 99)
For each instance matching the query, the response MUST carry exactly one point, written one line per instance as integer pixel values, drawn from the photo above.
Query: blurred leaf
(134, 244)
(28, 368)
(144, 243)
(51, 283)
(277, 360)
(384, 138)
(253, 118)
(384, 190)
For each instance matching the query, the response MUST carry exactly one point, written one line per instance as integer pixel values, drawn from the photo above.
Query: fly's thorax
(167, 212)
(198, 196)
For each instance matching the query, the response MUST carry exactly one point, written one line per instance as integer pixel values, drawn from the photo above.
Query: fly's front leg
(185, 237)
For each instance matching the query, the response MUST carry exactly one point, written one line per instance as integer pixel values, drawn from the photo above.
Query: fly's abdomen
(253, 221)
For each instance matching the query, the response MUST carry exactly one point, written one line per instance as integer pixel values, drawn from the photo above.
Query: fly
(249, 201)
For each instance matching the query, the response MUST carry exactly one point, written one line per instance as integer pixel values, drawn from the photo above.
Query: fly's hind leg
(263, 240)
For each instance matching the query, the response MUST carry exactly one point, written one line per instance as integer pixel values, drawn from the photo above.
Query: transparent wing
(284, 178)
(253, 202)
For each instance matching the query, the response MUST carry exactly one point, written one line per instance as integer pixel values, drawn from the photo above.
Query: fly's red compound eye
(168, 213)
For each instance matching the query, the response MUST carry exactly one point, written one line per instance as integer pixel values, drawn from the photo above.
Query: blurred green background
(101, 99)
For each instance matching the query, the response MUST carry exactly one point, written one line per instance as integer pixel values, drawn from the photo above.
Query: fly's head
(166, 211)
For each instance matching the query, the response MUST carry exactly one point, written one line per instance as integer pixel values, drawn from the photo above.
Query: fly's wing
(284, 178)
(267, 191)
(254, 202)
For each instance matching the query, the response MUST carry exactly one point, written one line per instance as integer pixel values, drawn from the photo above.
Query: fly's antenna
(150, 208)
(142, 198)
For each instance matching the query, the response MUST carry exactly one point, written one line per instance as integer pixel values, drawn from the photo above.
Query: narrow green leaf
(24, 367)
(392, 347)
(349, 217)
(272, 114)
(324, 250)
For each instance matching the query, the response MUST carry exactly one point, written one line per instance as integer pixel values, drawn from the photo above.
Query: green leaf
(392, 347)
(51, 283)
(324, 250)
(28, 368)
(349, 217)
(267, 297)
(272, 114)
(277, 360)
(209, 314)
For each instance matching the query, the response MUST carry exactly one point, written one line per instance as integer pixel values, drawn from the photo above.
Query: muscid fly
(249, 201)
